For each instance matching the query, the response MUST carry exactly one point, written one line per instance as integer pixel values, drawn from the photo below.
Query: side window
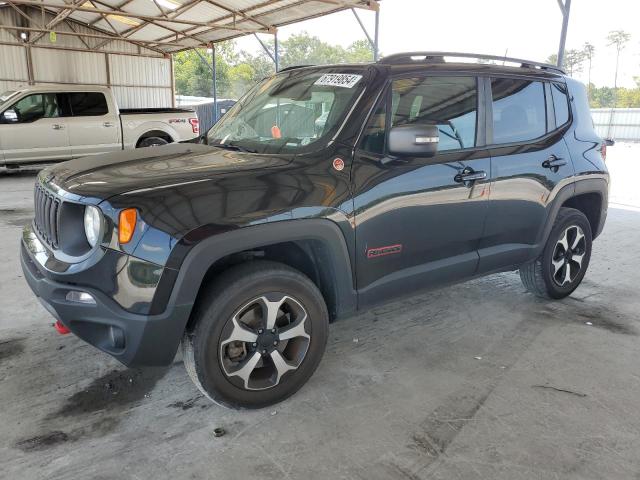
(560, 103)
(373, 138)
(32, 108)
(87, 104)
(519, 112)
(450, 103)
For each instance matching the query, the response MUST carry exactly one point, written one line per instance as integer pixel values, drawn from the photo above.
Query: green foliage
(573, 61)
(605, 97)
(237, 70)
(618, 38)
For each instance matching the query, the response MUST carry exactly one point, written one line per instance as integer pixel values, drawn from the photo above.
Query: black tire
(152, 142)
(541, 277)
(207, 356)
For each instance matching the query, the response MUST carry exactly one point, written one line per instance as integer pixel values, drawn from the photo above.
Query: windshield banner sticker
(344, 80)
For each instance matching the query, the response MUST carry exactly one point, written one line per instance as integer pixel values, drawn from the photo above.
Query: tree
(359, 51)
(573, 61)
(552, 59)
(193, 77)
(619, 39)
(588, 52)
(238, 70)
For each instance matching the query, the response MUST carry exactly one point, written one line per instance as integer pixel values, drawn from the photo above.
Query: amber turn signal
(127, 225)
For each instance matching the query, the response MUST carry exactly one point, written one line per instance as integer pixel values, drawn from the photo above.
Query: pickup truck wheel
(558, 271)
(152, 142)
(257, 335)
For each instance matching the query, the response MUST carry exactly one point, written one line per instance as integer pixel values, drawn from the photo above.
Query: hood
(103, 176)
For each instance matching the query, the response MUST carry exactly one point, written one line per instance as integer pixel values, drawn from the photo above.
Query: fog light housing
(80, 297)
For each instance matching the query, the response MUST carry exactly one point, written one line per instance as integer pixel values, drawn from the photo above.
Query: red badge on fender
(338, 164)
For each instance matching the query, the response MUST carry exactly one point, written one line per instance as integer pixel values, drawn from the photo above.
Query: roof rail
(438, 57)
(294, 67)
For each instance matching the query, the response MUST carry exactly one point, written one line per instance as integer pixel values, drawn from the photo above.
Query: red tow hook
(62, 330)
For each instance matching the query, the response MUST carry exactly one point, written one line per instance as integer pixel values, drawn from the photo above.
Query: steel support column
(372, 41)
(376, 49)
(276, 58)
(214, 87)
(565, 9)
(212, 69)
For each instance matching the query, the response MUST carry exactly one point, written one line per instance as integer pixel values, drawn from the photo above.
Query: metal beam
(145, 18)
(564, 9)
(58, 18)
(265, 47)
(276, 51)
(214, 86)
(372, 41)
(87, 35)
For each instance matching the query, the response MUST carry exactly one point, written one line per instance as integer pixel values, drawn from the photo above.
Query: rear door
(94, 125)
(529, 163)
(418, 221)
(33, 131)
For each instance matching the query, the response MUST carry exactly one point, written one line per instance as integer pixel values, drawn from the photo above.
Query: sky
(524, 28)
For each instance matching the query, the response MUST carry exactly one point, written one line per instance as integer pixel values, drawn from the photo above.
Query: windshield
(289, 112)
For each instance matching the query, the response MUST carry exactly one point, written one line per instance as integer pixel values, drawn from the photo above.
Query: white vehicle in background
(52, 123)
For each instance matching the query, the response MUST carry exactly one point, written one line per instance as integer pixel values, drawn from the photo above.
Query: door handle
(554, 163)
(57, 126)
(469, 175)
(107, 124)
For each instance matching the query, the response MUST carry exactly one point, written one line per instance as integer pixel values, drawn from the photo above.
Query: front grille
(47, 211)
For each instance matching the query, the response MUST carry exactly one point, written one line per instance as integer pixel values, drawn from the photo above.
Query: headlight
(92, 222)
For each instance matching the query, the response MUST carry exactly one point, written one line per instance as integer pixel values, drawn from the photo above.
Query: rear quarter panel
(176, 125)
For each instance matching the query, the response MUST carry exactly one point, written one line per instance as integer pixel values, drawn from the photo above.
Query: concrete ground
(479, 380)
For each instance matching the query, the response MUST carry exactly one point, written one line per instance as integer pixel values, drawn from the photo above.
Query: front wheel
(257, 335)
(558, 271)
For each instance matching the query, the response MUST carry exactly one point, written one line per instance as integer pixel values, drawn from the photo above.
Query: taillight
(195, 125)
(603, 150)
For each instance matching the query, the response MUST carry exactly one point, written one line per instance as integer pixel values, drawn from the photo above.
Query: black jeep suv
(323, 191)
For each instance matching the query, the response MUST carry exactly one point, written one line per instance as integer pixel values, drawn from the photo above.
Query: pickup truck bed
(52, 123)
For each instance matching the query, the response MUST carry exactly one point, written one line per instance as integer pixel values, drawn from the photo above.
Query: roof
(57, 87)
(169, 26)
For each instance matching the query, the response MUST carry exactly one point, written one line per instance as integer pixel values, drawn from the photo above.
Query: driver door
(32, 130)
(418, 220)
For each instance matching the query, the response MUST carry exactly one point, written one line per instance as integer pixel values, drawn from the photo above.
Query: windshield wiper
(235, 148)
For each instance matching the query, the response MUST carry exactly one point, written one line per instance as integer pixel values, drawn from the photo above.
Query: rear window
(85, 104)
(560, 103)
(519, 112)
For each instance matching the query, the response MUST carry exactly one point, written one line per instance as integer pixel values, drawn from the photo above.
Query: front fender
(185, 285)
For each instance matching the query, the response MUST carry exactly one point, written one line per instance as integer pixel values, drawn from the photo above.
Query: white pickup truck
(51, 123)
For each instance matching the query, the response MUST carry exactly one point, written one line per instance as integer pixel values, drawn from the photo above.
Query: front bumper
(133, 339)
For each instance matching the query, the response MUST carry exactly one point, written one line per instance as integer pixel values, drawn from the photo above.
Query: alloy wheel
(264, 340)
(568, 254)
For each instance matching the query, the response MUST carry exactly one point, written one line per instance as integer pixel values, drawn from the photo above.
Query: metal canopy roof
(169, 26)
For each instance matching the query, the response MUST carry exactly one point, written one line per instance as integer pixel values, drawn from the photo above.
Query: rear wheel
(560, 268)
(257, 335)
(152, 142)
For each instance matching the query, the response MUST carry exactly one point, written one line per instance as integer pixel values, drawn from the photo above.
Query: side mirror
(414, 140)
(609, 142)
(9, 116)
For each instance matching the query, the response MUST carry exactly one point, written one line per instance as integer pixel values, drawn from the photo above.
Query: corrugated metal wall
(617, 123)
(138, 76)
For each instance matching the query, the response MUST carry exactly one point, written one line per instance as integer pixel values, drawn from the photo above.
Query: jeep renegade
(323, 191)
